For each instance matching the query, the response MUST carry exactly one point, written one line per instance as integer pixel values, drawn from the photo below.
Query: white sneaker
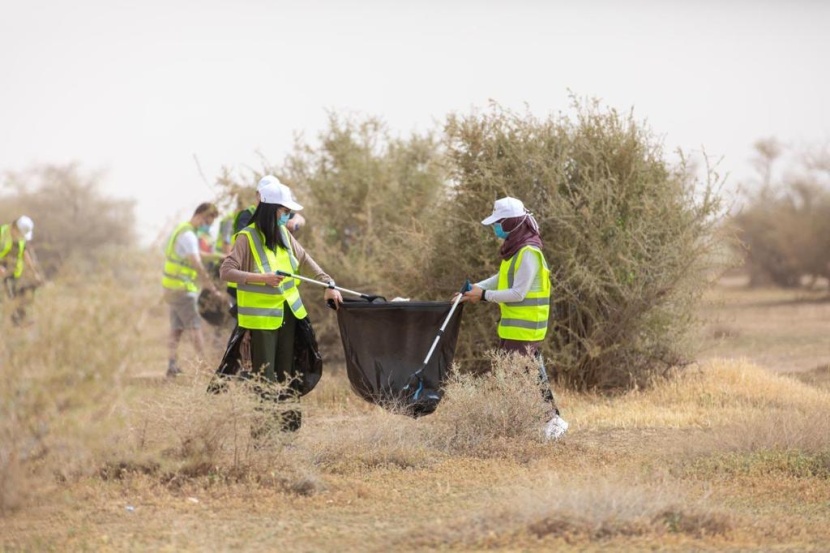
(556, 428)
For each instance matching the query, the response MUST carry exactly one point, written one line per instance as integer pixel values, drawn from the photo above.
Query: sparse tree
(785, 225)
(74, 221)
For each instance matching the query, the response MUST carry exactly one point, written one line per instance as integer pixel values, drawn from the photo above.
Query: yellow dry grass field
(98, 451)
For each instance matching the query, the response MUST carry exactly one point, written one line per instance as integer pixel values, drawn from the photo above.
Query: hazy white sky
(138, 88)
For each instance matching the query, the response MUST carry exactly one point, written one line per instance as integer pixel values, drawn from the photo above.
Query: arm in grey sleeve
(489, 283)
(522, 282)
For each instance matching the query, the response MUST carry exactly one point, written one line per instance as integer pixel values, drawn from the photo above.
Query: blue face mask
(283, 219)
(205, 229)
(500, 232)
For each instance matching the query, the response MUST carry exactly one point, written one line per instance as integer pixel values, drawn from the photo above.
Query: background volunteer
(182, 268)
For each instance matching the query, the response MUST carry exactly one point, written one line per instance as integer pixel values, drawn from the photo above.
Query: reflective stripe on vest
(260, 307)
(178, 274)
(6, 244)
(525, 320)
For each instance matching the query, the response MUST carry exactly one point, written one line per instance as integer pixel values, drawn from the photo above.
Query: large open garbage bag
(386, 343)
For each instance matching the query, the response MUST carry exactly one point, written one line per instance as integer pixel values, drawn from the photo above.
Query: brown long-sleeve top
(240, 262)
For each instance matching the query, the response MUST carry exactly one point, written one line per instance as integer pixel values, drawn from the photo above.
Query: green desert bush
(370, 199)
(373, 197)
(628, 237)
(631, 240)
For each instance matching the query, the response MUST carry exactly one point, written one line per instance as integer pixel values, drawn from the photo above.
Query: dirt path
(782, 330)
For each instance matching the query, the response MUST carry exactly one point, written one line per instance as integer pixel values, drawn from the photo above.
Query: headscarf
(524, 231)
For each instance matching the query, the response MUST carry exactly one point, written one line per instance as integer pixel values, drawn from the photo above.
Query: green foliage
(369, 200)
(372, 197)
(74, 222)
(628, 238)
(786, 224)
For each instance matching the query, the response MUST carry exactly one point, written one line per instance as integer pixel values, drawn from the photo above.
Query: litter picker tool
(414, 389)
(368, 297)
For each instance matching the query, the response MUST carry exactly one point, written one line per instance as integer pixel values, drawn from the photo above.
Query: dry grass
(782, 330)
(99, 451)
(704, 396)
(578, 511)
(491, 415)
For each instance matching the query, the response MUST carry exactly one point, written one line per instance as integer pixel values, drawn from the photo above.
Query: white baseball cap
(504, 209)
(278, 193)
(265, 181)
(26, 227)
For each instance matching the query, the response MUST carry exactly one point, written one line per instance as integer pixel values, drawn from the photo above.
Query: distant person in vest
(522, 291)
(231, 225)
(13, 255)
(15, 258)
(182, 269)
(269, 305)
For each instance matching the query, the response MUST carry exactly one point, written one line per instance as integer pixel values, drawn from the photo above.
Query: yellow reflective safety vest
(178, 273)
(6, 244)
(260, 307)
(525, 320)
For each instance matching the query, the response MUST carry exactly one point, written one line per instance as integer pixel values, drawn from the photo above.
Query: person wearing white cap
(15, 257)
(229, 228)
(269, 305)
(521, 289)
(13, 254)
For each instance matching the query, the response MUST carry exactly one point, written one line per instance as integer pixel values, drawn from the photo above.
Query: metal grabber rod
(368, 297)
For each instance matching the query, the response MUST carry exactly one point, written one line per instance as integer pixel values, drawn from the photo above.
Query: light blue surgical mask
(500, 232)
(283, 219)
(205, 229)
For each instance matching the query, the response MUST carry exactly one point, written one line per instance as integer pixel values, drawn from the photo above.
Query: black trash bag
(385, 345)
(213, 309)
(308, 363)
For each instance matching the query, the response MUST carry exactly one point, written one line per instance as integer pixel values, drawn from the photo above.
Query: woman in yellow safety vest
(268, 305)
(521, 288)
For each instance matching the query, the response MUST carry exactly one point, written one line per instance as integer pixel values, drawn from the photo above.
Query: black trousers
(272, 359)
(272, 351)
